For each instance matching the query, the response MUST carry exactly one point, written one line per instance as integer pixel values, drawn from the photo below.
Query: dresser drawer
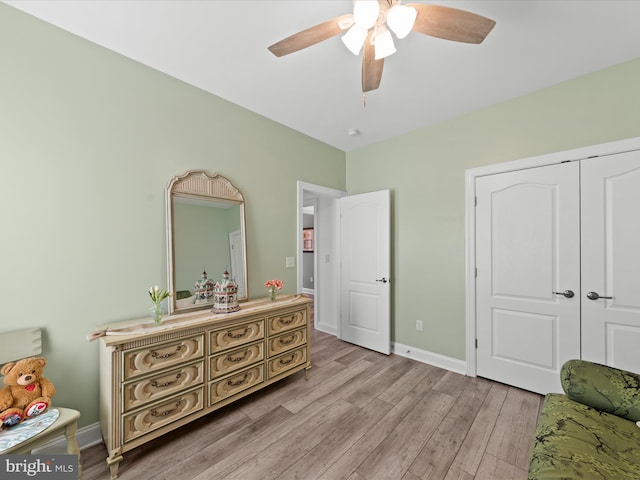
(285, 362)
(138, 393)
(286, 341)
(151, 359)
(232, 360)
(237, 335)
(236, 383)
(286, 321)
(140, 423)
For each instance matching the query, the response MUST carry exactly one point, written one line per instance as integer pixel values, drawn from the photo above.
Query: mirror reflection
(206, 239)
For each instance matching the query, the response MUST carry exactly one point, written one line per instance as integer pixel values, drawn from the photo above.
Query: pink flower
(274, 283)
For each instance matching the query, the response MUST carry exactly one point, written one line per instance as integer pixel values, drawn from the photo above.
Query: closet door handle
(595, 296)
(566, 293)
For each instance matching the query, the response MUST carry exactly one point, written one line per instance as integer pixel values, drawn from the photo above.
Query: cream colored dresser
(155, 379)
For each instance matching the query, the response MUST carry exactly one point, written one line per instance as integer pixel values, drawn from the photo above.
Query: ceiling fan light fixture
(373, 21)
(354, 38)
(383, 44)
(400, 19)
(365, 13)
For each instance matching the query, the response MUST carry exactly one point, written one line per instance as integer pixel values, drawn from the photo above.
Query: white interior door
(611, 260)
(236, 251)
(365, 268)
(527, 248)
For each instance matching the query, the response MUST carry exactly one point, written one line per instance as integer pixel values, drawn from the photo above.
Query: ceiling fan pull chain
(364, 101)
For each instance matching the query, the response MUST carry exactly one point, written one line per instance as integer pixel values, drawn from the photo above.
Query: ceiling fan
(369, 27)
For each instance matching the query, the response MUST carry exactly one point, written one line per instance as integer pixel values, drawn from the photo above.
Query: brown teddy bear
(27, 392)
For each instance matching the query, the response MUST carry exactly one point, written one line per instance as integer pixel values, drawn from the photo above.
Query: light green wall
(88, 143)
(425, 171)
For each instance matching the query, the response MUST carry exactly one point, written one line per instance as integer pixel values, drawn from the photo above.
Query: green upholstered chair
(590, 432)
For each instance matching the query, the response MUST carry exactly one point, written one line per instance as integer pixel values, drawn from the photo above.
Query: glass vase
(272, 294)
(157, 313)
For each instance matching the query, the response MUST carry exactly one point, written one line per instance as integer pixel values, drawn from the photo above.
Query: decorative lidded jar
(225, 295)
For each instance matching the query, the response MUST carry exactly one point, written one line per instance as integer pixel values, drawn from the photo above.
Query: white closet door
(527, 241)
(611, 260)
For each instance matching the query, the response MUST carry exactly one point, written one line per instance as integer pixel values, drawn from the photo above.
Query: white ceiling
(221, 47)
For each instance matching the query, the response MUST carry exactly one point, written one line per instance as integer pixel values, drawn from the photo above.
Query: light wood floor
(360, 416)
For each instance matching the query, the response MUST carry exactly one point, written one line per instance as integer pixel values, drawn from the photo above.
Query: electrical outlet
(419, 325)
(290, 262)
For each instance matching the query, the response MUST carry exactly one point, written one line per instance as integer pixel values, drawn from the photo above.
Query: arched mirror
(205, 233)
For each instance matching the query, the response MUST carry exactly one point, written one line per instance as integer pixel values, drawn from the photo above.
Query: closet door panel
(527, 240)
(610, 206)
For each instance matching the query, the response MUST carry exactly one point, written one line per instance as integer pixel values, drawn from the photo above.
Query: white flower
(158, 294)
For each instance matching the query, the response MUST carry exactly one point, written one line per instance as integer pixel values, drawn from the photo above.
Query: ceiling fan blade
(312, 35)
(450, 23)
(371, 68)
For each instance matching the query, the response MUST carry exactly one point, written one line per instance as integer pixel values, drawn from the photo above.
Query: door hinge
(476, 343)
(476, 272)
(475, 201)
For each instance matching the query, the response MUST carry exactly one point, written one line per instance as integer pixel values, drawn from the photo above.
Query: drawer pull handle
(238, 335)
(155, 413)
(282, 341)
(155, 354)
(288, 321)
(287, 362)
(155, 384)
(231, 383)
(238, 358)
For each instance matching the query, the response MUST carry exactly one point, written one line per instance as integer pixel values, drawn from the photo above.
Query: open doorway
(325, 256)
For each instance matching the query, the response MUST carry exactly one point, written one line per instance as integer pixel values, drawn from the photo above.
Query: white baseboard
(435, 359)
(87, 437)
(330, 329)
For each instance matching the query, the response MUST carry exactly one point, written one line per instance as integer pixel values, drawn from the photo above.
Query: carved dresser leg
(114, 462)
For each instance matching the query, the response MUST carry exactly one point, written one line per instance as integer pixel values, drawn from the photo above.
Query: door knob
(595, 296)
(566, 293)
(383, 280)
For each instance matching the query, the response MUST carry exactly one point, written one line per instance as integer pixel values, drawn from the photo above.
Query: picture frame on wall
(307, 240)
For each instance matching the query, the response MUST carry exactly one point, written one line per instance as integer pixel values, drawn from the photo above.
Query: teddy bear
(27, 393)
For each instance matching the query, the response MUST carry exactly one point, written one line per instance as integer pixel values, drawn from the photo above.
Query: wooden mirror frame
(199, 185)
